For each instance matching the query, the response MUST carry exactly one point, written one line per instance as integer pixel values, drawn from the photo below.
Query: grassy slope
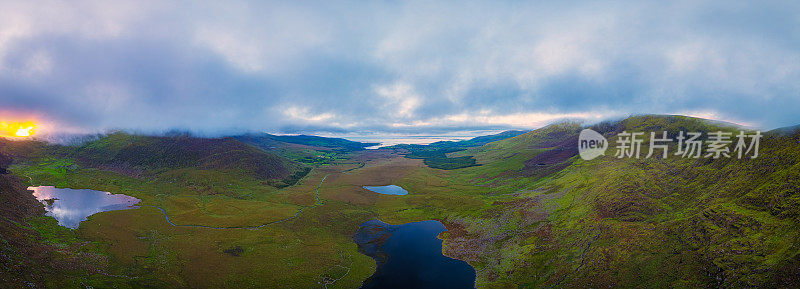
(639, 223)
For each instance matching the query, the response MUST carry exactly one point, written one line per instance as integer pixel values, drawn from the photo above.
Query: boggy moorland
(523, 210)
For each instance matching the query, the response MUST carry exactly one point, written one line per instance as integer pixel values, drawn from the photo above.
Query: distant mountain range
(266, 140)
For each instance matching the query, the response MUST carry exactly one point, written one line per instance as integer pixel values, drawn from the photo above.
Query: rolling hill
(627, 222)
(136, 154)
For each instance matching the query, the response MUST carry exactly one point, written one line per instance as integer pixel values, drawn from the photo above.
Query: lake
(70, 207)
(387, 190)
(410, 256)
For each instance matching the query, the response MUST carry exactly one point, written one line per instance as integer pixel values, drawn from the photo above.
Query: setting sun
(17, 129)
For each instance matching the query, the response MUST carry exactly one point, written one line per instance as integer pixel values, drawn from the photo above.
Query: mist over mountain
(411, 67)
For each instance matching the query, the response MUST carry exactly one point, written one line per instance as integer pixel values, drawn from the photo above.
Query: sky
(413, 67)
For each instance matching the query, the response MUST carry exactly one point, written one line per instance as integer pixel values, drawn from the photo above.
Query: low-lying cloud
(222, 67)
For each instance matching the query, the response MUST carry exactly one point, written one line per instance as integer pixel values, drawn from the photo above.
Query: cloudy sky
(395, 66)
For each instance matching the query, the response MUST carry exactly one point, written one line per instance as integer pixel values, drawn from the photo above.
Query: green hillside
(304, 149)
(675, 222)
(137, 155)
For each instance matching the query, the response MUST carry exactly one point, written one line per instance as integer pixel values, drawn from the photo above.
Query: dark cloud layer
(219, 67)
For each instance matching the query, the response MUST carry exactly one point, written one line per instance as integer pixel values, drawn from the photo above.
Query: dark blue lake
(410, 256)
(70, 207)
(387, 190)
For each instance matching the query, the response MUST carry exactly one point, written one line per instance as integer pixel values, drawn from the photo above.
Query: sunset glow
(17, 129)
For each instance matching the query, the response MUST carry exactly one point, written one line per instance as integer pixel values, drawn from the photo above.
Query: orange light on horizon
(17, 129)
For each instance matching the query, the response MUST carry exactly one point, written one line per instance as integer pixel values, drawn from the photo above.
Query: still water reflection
(387, 190)
(410, 256)
(70, 207)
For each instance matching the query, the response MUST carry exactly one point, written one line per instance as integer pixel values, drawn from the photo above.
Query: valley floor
(299, 236)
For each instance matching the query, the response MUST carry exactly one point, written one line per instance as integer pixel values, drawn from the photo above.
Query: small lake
(410, 256)
(70, 207)
(387, 190)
